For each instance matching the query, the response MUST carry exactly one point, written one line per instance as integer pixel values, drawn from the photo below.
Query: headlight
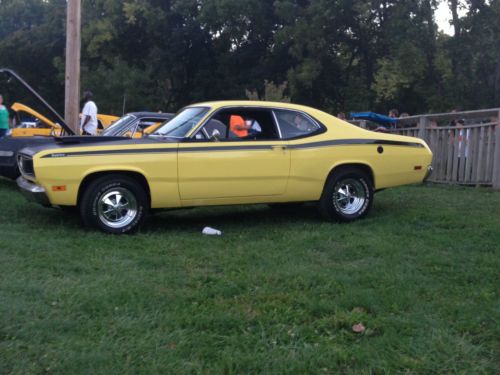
(6, 154)
(25, 164)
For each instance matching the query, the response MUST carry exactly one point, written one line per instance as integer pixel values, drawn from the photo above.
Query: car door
(216, 163)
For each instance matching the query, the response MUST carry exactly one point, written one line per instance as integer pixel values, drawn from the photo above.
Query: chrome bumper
(33, 192)
(428, 174)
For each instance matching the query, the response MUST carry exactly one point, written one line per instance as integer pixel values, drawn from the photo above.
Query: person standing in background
(89, 115)
(4, 119)
(393, 113)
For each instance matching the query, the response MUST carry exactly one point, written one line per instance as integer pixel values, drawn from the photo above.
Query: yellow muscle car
(45, 126)
(222, 153)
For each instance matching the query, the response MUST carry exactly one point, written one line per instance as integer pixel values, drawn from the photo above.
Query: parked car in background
(44, 126)
(137, 124)
(132, 125)
(222, 153)
(44, 130)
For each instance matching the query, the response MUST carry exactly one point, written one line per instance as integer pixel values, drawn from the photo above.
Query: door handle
(279, 147)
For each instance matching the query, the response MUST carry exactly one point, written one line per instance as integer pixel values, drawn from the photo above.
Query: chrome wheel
(117, 207)
(349, 196)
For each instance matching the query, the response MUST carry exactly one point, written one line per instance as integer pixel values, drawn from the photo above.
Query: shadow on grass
(236, 217)
(181, 220)
(188, 220)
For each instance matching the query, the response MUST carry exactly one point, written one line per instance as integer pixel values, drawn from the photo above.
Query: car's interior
(258, 123)
(295, 124)
(136, 130)
(241, 124)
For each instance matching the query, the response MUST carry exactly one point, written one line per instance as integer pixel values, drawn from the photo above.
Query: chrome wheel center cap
(349, 196)
(117, 207)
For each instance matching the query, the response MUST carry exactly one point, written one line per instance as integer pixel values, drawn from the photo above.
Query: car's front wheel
(114, 204)
(347, 196)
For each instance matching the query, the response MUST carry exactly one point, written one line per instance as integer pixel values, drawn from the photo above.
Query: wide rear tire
(114, 204)
(347, 195)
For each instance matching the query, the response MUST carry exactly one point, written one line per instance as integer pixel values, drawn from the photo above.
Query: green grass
(277, 293)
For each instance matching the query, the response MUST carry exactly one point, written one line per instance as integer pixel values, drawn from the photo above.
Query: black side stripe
(343, 142)
(337, 142)
(110, 152)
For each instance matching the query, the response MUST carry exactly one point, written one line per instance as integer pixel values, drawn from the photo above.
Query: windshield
(181, 124)
(118, 126)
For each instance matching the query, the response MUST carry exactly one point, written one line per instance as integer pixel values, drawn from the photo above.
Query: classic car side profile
(223, 153)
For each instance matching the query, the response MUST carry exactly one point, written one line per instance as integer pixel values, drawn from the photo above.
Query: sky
(443, 17)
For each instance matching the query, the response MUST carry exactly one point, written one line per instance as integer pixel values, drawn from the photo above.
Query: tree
(336, 55)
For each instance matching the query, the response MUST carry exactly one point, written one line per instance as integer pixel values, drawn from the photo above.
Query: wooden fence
(466, 145)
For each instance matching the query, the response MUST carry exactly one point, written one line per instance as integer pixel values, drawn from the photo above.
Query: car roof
(161, 115)
(252, 103)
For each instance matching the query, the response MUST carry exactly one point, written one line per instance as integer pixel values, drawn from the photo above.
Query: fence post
(496, 156)
(422, 125)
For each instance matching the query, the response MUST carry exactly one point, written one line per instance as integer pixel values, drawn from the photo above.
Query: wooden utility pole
(72, 76)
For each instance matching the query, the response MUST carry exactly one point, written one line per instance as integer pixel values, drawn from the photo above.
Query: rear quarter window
(294, 124)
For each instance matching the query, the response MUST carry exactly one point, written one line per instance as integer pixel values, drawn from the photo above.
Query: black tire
(347, 195)
(128, 201)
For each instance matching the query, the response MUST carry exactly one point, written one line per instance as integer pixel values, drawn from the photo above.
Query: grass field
(277, 293)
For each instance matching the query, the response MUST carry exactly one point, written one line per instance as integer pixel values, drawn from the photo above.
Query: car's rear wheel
(114, 204)
(347, 196)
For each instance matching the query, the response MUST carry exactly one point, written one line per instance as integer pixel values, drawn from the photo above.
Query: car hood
(19, 107)
(85, 142)
(14, 144)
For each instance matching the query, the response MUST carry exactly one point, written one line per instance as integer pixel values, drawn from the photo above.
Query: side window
(127, 131)
(240, 124)
(42, 125)
(147, 122)
(295, 124)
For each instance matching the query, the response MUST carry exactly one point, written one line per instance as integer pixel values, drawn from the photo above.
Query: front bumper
(33, 192)
(428, 173)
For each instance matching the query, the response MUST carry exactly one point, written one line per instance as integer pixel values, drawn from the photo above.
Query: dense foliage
(339, 55)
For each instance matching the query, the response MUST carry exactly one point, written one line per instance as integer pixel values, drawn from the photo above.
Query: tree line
(337, 55)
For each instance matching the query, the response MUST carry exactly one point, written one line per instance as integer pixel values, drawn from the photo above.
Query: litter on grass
(358, 328)
(211, 231)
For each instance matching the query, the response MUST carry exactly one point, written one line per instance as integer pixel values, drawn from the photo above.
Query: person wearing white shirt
(88, 123)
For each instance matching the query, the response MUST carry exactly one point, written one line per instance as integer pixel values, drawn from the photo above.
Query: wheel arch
(94, 175)
(365, 167)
